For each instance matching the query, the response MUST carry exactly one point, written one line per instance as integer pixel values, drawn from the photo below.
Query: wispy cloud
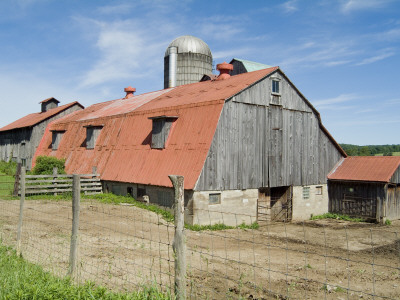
(290, 6)
(376, 58)
(327, 103)
(122, 8)
(349, 6)
(324, 53)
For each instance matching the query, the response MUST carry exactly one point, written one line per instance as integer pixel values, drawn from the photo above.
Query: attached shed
(366, 187)
(19, 140)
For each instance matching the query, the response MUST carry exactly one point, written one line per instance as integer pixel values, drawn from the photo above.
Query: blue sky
(343, 55)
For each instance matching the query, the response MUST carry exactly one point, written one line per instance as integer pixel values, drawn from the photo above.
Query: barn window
(306, 192)
(92, 133)
(276, 86)
(160, 131)
(214, 198)
(56, 139)
(318, 190)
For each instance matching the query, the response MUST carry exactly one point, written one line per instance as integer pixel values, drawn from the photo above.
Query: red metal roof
(123, 152)
(35, 118)
(366, 168)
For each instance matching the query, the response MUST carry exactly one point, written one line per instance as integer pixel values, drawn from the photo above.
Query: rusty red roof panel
(35, 118)
(123, 152)
(366, 168)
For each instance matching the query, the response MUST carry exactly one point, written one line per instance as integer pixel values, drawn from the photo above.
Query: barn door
(274, 204)
(275, 145)
(281, 203)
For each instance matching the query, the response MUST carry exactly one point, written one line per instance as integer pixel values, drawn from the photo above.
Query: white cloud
(290, 6)
(356, 5)
(126, 50)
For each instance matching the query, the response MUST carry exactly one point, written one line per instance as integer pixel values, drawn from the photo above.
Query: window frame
(161, 130)
(56, 139)
(95, 133)
(319, 190)
(275, 86)
(212, 195)
(306, 192)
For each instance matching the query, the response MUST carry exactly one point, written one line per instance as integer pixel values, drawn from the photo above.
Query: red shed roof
(35, 118)
(366, 168)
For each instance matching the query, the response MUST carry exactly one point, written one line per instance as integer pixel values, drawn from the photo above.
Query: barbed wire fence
(124, 248)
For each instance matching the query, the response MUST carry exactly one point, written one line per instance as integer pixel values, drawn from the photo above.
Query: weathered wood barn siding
(259, 144)
(367, 199)
(396, 177)
(21, 143)
(358, 199)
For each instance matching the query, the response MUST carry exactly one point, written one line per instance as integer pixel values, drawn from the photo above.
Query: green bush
(45, 164)
(8, 168)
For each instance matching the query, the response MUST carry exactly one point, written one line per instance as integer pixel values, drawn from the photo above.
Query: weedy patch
(337, 217)
(20, 279)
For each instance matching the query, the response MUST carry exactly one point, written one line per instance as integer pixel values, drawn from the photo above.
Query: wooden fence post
(76, 195)
(17, 179)
(21, 210)
(55, 172)
(179, 244)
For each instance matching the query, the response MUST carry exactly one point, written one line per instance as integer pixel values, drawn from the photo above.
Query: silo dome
(186, 60)
(189, 43)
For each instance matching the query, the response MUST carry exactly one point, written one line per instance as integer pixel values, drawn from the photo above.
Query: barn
(367, 187)
(250, 146)
(19, 140)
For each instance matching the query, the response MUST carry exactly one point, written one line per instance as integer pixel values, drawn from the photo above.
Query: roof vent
(129, 91)
(224, 69)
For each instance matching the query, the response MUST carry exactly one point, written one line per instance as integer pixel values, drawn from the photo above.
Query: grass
(393, 154)
(337, 217)
(20, 279)
(6, 185)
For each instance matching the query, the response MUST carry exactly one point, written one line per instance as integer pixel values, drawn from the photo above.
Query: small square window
(275, 86)
(214, 198)
(306, 192)
(318, 190)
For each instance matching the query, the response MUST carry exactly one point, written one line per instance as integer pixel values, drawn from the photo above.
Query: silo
(186, 60)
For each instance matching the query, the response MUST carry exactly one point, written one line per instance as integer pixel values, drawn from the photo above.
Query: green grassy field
(22, 280)
(6, 185)
(394, 154)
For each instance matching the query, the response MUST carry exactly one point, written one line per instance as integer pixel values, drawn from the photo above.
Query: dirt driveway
(123, 247)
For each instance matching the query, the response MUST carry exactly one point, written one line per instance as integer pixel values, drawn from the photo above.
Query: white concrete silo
(186, 60)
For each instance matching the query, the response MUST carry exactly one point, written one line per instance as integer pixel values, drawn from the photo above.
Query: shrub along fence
(125, 246)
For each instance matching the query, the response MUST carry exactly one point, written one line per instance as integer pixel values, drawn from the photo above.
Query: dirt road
(123, 247)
